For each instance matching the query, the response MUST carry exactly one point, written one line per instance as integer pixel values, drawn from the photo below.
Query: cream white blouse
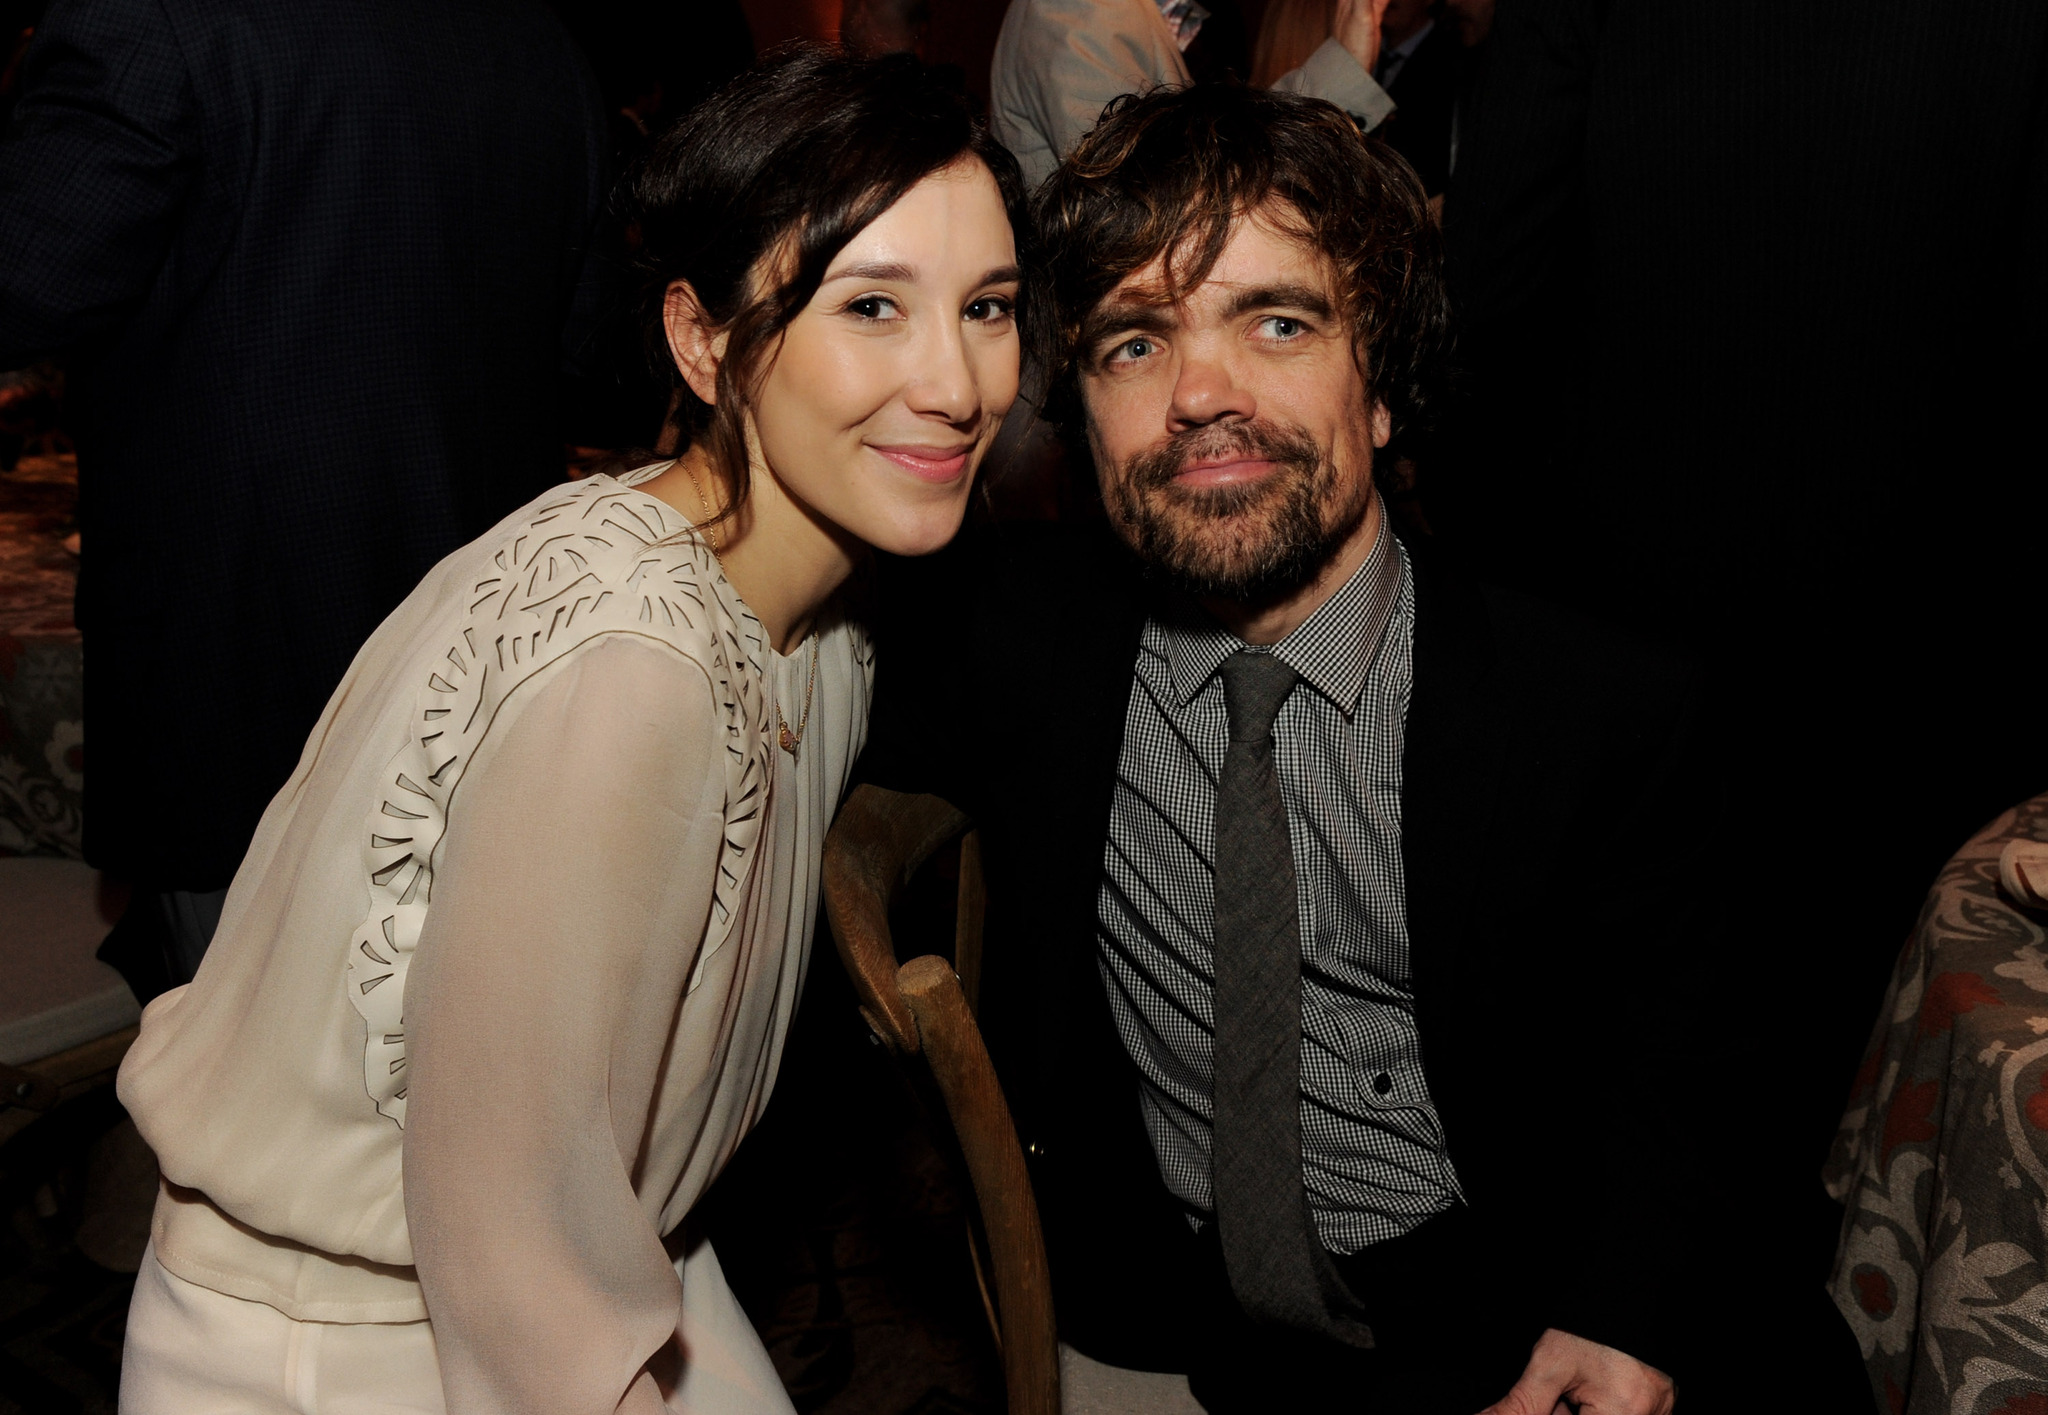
(505, 975)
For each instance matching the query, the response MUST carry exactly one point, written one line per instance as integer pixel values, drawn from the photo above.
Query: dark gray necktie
(1278, 1269)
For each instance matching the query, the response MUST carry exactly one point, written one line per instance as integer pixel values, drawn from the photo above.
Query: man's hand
(1567, 1373)
(1358, 29)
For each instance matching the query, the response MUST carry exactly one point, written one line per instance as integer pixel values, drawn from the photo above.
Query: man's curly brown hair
(1167, 172)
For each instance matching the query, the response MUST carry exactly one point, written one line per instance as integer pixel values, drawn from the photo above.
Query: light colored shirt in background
(1059, 62)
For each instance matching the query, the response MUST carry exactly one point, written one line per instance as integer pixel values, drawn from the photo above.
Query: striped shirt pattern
(1373, 1158)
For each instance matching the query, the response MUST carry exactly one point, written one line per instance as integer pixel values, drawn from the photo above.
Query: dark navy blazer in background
(313, 265)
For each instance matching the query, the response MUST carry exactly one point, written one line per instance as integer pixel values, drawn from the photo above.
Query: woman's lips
(932, 464)
(1231, 473)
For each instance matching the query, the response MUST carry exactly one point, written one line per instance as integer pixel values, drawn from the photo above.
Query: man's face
(1231, 429)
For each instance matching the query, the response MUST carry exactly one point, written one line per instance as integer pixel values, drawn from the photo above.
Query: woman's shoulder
(585, 561)
(596, 550)
(556, 586)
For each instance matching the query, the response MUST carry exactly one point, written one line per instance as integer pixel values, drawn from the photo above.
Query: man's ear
(1382, 423)
(694, 342)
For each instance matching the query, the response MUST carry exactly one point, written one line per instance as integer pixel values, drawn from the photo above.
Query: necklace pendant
(790, 742)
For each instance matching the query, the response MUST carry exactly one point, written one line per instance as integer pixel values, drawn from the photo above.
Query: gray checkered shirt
(1373, 1159)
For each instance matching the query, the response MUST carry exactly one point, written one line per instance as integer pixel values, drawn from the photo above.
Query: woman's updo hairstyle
(803, 150)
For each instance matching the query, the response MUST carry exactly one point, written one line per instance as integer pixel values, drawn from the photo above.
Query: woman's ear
(693, 341)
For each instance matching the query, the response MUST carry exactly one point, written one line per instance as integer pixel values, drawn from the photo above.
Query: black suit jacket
(314, 264)
(1554, 889)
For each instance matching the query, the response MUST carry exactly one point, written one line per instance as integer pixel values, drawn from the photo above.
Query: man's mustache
(1264, 441)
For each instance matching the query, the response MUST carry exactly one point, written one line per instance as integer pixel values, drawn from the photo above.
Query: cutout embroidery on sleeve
(599, 559)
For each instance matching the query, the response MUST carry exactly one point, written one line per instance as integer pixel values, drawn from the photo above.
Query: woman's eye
(989, 309)
(873, 307)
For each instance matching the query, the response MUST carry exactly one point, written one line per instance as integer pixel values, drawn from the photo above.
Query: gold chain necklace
(705, 526)
(793, 741)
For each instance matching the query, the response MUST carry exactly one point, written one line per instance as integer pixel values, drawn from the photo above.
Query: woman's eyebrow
(892, 270)
(878, 270)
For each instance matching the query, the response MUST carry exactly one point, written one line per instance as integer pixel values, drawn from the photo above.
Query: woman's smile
(936, 464)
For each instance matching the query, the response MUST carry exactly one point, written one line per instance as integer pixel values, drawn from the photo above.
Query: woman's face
(890, 384)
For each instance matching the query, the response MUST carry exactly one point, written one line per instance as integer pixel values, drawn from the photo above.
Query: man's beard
(1250, 542)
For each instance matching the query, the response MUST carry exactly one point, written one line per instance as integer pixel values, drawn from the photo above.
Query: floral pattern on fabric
(42, 672)
(1942, 1157)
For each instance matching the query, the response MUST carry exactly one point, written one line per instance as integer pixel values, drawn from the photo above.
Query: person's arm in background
(1340, 70)
(101, 156)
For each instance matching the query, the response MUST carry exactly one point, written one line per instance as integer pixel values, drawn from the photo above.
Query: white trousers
(193, 1351)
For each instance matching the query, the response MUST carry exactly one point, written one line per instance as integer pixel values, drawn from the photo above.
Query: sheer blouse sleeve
(568, 907)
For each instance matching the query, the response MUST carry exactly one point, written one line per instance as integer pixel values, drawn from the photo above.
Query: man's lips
(1233, 472)
(932, 464)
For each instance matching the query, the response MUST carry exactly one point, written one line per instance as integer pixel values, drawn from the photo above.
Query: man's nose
(1207, 391)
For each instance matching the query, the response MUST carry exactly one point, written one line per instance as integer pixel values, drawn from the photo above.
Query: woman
(505, 975)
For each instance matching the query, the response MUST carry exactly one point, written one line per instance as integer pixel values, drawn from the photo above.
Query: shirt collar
(1332, 649)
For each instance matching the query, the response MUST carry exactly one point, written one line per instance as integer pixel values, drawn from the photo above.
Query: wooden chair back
(927, 1007)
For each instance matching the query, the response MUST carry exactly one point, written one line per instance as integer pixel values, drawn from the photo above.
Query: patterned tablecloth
(1942, 1159)
(42, 737)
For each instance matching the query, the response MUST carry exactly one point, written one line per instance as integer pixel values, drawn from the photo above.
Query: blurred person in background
(1421, 66)
(312, 268)
(1289, 31)
(1059, 62)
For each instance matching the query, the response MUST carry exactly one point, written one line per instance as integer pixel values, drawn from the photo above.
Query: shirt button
(1382, 1083)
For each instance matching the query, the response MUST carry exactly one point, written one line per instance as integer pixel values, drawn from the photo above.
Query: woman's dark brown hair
(750, 196)
(1169, 172)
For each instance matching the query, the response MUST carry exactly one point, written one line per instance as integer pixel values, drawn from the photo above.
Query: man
(313, 266)
(1342, 913)
(1058, 62)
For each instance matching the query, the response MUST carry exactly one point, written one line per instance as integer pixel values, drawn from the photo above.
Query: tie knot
(1254, 686)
